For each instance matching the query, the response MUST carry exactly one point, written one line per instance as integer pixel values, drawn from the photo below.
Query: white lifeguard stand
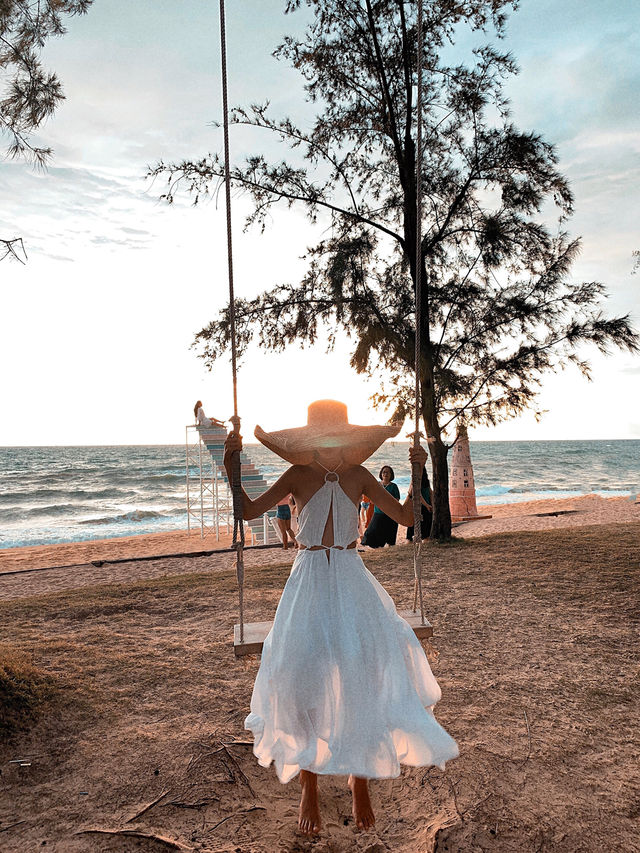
(209, 503)
(209, 499)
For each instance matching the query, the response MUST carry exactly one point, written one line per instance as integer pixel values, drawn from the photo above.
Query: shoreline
(545, 514)
(61, 554)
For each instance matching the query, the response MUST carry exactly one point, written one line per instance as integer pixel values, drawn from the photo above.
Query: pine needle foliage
(499, 306)
(29, 93)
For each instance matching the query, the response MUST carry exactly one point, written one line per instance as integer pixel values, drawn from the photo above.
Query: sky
(96, 328)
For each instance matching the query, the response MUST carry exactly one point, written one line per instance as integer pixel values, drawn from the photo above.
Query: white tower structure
(462, 488)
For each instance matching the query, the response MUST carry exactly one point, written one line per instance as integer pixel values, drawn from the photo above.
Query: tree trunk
(441, 524)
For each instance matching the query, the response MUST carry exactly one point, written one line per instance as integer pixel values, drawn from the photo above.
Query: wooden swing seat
(255, 633)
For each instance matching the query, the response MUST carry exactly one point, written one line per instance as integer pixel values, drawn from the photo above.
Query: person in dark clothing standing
(383, 530)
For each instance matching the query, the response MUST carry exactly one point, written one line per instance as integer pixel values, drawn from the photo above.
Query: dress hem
(356, 773)
(341, 770)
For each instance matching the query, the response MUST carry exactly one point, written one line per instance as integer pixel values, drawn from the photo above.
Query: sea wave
(135, 515)
(21, 513)
(493, 491)
(577, 488)
(146, 479)
(75, 493)
(555, 494)
(68, 494)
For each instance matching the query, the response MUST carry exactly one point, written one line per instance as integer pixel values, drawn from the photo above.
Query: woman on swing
(344, 686)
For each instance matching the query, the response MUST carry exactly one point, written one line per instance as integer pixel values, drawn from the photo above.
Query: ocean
(68, 494)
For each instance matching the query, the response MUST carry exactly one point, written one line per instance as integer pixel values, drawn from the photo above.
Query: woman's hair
(424, 482)
(393, 476)
(196, 407)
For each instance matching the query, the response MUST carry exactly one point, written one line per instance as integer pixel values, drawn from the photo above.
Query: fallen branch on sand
(454, 793)
(180, 804)
(555, 513)
(235, 814)
(169, 843)
(11, 825)
(194, 760)
(224, 747)
(181, 555)
(241, 772)
(146, 808)
(440, 821)
(475, 805)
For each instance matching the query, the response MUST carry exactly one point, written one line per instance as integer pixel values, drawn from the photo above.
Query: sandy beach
(142, 746)
(552, 514)
(59, 558)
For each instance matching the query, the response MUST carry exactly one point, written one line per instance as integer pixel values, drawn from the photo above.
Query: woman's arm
(267, 500)
(380, 497)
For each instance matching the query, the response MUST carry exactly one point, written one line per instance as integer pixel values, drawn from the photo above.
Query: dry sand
(552, 514)
(69, 565)
(69, 553)
(537, 634)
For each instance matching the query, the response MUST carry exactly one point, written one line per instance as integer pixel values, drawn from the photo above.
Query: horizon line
(258, 444)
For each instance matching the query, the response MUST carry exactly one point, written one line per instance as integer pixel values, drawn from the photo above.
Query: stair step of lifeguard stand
(252, 480)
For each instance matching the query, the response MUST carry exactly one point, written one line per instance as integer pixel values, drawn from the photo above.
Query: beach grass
(536, 634)
(24, 689)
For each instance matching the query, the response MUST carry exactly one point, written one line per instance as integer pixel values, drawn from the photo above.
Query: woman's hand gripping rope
(233, 467)
(418, 456)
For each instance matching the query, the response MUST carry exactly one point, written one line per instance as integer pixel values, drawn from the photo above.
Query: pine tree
(499, 307)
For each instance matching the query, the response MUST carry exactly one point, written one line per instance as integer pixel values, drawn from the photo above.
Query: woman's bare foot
(309, 812)
(362, 811)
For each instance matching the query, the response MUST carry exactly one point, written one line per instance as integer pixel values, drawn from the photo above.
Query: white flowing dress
(344, 685)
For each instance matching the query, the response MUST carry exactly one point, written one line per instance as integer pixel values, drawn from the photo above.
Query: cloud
(79, 206)
(133, 231)
(142, 82)
(579, 63)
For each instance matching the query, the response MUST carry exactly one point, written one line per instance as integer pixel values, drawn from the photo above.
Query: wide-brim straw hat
(327, 427)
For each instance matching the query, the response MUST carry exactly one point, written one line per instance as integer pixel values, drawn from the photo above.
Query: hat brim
(299, 445)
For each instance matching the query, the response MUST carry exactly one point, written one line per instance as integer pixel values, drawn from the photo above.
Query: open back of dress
(313, 517)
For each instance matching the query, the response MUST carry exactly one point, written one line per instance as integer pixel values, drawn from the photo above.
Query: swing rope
(236, 462)
(416, 474)
(236, 465)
